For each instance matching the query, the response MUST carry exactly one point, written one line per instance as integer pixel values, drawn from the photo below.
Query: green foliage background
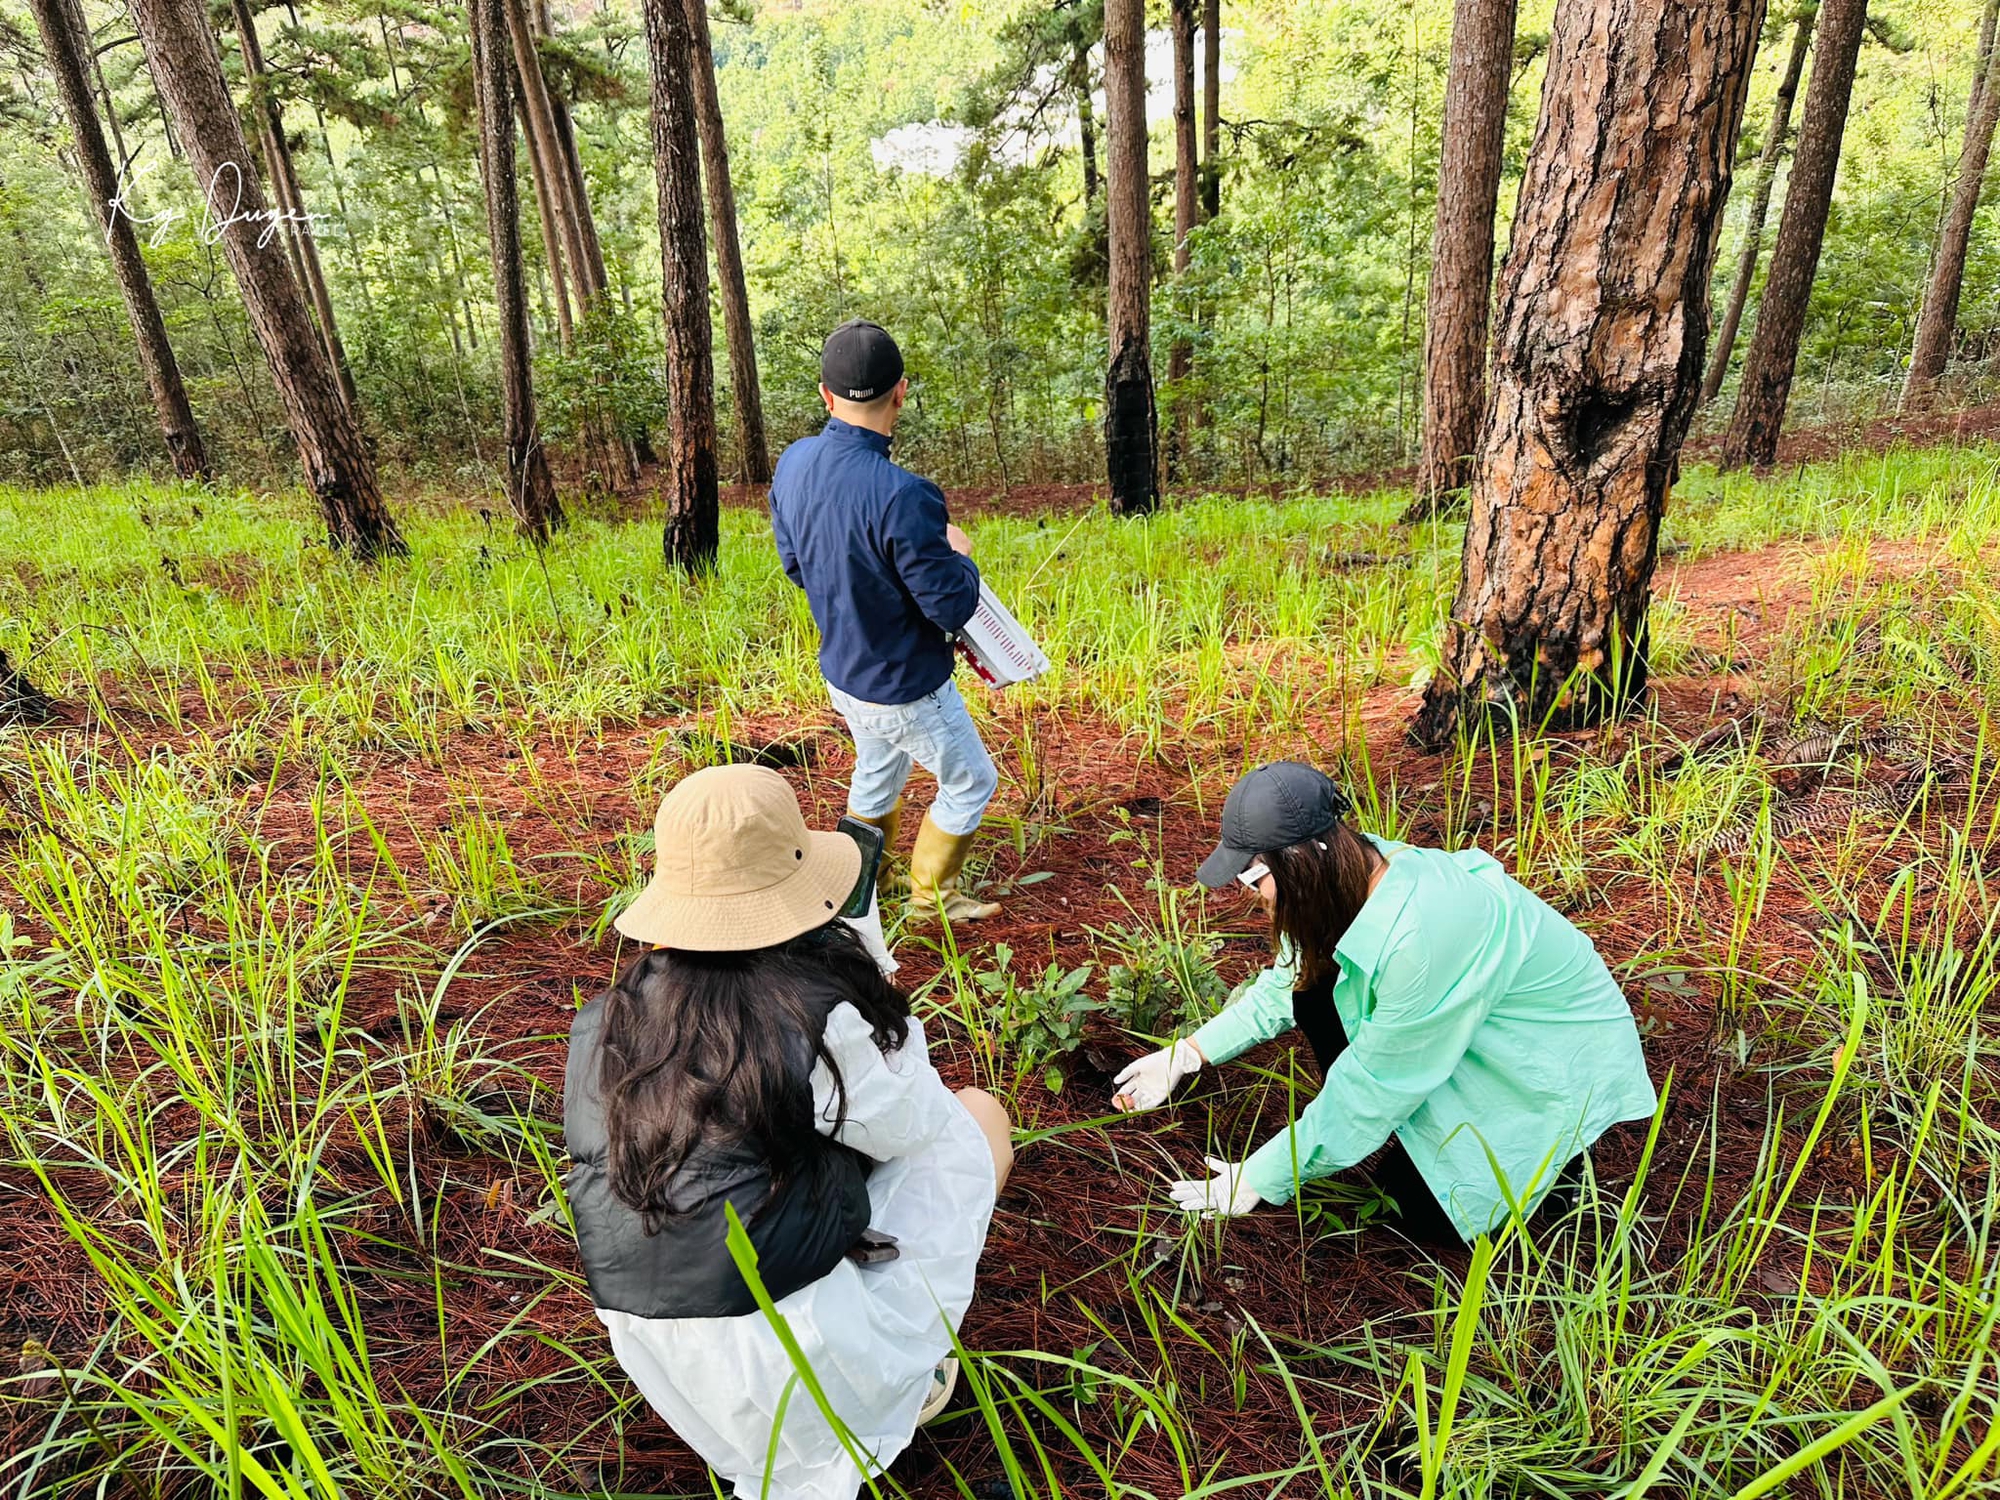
(1305, 300)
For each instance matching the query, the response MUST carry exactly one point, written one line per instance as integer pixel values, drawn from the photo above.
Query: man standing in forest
(890, 581)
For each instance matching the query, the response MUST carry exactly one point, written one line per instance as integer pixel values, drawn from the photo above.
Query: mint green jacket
(1479, 1020)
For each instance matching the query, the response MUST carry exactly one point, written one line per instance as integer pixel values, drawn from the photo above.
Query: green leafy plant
(1038, 1023)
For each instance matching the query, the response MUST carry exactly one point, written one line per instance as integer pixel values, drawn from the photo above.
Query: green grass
(249, 1071)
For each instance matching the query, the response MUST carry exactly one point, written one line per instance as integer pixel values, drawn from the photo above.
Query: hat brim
(811, 896)
(1224, 865)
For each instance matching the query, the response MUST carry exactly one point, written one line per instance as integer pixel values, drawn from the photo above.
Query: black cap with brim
(860, 361)
(1274, 807)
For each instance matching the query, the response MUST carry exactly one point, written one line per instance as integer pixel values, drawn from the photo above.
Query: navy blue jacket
(865, 539)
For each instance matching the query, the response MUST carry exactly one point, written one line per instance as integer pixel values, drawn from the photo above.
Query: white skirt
(871, 1334)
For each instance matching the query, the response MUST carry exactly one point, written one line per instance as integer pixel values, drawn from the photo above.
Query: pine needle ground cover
(304, 881)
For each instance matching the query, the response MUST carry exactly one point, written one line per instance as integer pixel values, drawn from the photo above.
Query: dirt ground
(1051, 1277)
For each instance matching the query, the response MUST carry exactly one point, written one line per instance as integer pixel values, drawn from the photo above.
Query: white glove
(1147, 1081)
(1224, 1194)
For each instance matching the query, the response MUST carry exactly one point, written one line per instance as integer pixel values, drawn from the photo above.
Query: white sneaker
(944, 1380)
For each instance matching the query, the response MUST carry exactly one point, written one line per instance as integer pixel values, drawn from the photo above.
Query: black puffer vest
(685, 1271)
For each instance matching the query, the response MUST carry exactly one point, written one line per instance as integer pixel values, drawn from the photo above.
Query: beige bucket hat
(736, 868)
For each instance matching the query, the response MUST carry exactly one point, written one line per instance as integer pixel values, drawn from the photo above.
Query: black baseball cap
(1274, 807)
(860, 361)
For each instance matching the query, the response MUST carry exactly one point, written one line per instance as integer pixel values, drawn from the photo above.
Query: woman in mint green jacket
(1457, 1018)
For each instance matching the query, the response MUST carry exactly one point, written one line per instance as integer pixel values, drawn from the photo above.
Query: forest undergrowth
(306, 876)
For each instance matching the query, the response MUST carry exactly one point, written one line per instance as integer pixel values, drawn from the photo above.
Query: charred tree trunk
(1086, 121)
(744, 388)
(187, 70)
(1131, 423)
(688, 468)
(1766, 387)
(63, 40)
(1211, 99)
(1938, 319)
(285, 188)
(1760, 203)
(531, 491)
(1187, 208)
(21, 702)
(1461, 289)
(1597, 363)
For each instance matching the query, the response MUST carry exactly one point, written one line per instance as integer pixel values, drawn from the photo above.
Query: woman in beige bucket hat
(756, 1055)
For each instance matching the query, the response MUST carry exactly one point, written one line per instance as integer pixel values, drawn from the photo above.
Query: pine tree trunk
(1597, 362)
(1766, 387)
(551, 227)
(1187, 208)
(285, 189)
(744, 387)
(1131, 423)
(63, 40)
(688, 468)
(1211, 123)
(531, 491)
(1086, 121)
(1938, 319)
(1461, 288)
(1982, 56)
(1760, 203)
(187, 70)
(552, 148)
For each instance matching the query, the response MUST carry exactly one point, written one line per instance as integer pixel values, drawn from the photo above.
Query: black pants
(1418, 1213)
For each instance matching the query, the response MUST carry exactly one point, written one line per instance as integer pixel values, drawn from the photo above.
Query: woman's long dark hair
(1319, 892)
(716, 1050)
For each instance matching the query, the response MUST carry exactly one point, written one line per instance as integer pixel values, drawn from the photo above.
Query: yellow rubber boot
(935, 867)
(891, 824)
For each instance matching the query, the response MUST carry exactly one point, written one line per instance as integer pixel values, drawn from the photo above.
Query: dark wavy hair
(716, 1050)
(1322, 884)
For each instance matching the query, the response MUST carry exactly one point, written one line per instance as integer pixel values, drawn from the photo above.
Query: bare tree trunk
(285, 188)
(1938, 319)
(688, 469)
(552, 150)
(1760, 203)
(1131, 423)
(744, 387)
(1086, 121)
(187, 69)
(1766, 387)
(1982, 56)
(551, 226)
(1461, 288)
(63, 40)
(531, 491)
(1211, 124)
(1597, 363)
(1187, 208)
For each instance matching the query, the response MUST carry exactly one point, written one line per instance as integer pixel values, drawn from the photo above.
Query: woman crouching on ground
(758, 1057)
(1455, 1016)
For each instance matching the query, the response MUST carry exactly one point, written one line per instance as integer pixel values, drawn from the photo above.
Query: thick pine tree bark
(63, 40)
(531, 490)
(1766, 387)
(1597, 363)
(1131, 422)
(688, 467)
(744, 388)
(1760, 202)
(1461, 288)
(187, 71)
(1938, 319)
(1187, 210)
(291, 200)
(1211, 101)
